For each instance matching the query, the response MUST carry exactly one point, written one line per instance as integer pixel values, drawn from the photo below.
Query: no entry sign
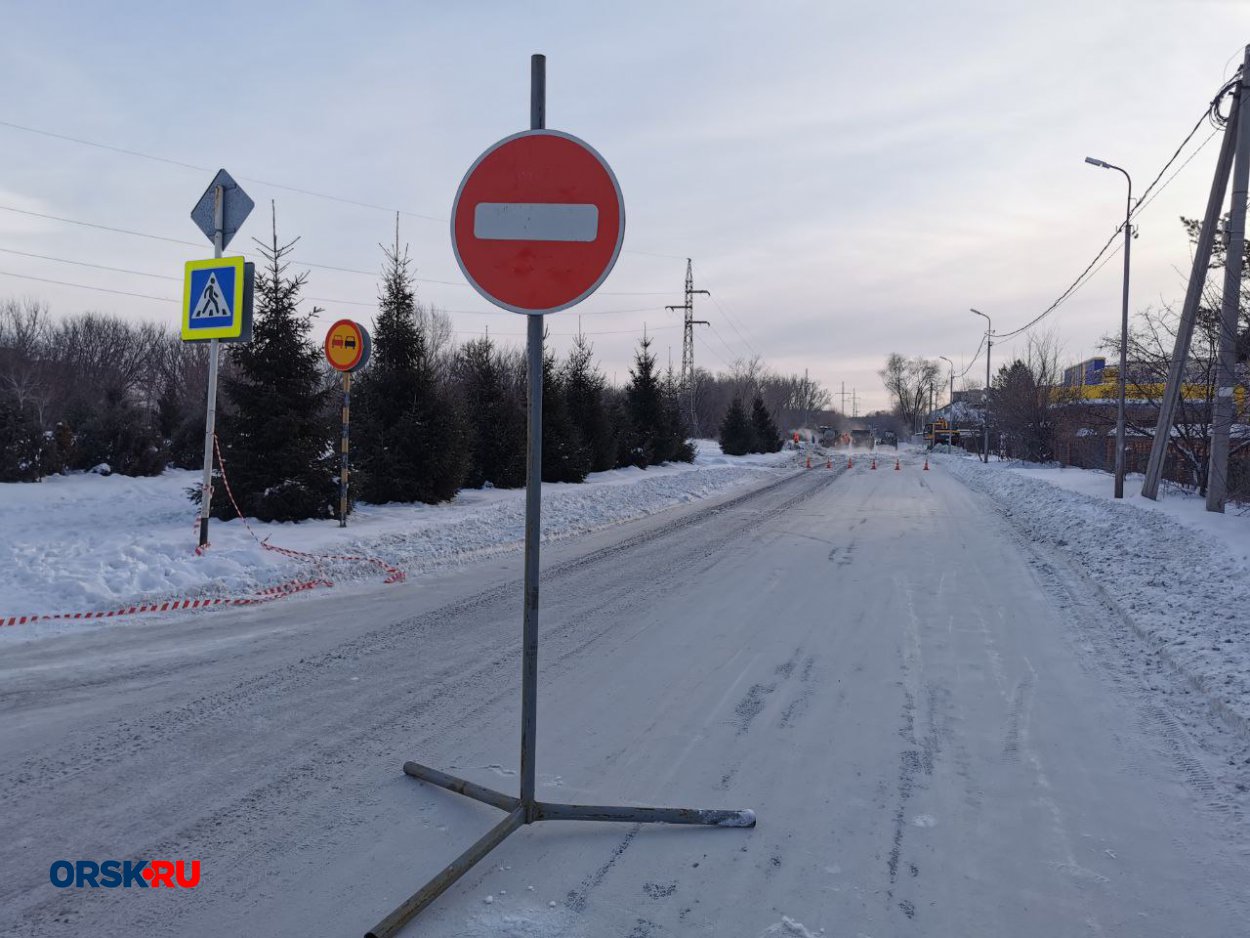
(538, 222)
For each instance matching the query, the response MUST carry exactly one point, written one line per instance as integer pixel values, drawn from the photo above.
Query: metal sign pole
(526, 809)
(343, 461)
(533, 497)
(210, 418)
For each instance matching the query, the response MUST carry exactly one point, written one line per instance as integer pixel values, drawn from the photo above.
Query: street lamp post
(989, 344)
(952, 400)
(1119, 415)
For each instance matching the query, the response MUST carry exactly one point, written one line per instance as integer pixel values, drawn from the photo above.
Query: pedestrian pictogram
(212, 303)
(217, 300)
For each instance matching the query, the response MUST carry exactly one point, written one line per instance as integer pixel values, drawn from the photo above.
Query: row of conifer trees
(423, 425)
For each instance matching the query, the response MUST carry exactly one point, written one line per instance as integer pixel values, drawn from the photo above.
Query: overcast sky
(849, 177)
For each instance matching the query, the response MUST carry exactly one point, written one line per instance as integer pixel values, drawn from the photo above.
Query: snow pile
(1177, 571)
(90, 542)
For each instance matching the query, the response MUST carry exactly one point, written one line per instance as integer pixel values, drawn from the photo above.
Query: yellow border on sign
(235, 329)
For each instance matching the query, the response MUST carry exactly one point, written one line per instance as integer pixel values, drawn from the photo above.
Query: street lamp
(989, 344)
(1119, 416)
(952, 401)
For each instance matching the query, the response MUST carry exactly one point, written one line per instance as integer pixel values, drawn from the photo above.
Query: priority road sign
(217, 300)
(538, 222)
(236, 206)
(347, 346)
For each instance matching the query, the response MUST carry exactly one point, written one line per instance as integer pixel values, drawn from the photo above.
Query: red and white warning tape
(263, 596)
(269, 594)
(393, 574)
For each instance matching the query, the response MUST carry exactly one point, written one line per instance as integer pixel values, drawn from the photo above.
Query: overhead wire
(284, 187)
(1210, 114)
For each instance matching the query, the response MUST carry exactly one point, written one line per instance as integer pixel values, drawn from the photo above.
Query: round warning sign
(347, 346)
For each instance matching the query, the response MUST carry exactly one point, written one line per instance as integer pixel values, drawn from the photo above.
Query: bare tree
(909, 382)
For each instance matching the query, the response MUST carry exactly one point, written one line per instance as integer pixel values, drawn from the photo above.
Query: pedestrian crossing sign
(217, 300)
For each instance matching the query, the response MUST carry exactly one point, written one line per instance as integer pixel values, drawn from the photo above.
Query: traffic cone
(849, 463)
(926, 464)
(829, 463)
(809, 460)
(896, 463)
(874, 463)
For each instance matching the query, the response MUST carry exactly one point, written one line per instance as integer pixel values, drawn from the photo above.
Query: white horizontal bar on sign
(535, 221)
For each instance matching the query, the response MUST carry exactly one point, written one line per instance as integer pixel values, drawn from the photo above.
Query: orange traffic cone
(874, 463)
(896, 463)
(849, 463)
(829, 463)
(809, 460)
(926, 464)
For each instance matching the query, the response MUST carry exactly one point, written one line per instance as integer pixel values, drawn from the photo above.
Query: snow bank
(89, 542)
(1178, 571)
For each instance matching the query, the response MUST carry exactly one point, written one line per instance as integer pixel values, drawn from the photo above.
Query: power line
(1210, 113)
(720, 338)
(730, 319)
(338, 269)
(139, 154)
(166, 299)
(318, 299)
(83, 286)
(65, 260)
(975, 356)
(88, 224)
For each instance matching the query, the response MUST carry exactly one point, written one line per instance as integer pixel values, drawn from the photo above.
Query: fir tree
(276, 434)
(737, 437)
(410, 444)
(644, 411)
(584, 393)
(767, 438)
(24, 451)
(671, 436)
(495, 419)
(565, 455)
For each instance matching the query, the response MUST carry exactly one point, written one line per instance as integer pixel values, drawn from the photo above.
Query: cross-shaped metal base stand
(527, 812)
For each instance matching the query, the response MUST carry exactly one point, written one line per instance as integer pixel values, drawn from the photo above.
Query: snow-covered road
(944, 729)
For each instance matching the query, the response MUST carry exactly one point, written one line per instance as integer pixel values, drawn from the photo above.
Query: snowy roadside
(1178, 572)
(86, 542)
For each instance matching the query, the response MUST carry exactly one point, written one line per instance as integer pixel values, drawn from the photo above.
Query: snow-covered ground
(942, 726)
(1179, 572)
(90, 543)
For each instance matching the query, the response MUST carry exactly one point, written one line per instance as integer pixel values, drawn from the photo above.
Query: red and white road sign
(538, 222)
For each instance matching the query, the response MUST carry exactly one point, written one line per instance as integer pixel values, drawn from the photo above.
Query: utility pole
(989, 344)
(854, 403)
(1193, 295)
(807, 401)
(1226, 373)
(951, 403)
(843, 398)
(687, 342)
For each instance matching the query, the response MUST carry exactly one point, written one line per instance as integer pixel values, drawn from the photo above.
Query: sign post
(347, 350)
(219, 213)
(537, 226)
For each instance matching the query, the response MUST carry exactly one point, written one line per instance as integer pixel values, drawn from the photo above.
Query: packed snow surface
(1180, 573)
(89, 542)
(944, 722)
